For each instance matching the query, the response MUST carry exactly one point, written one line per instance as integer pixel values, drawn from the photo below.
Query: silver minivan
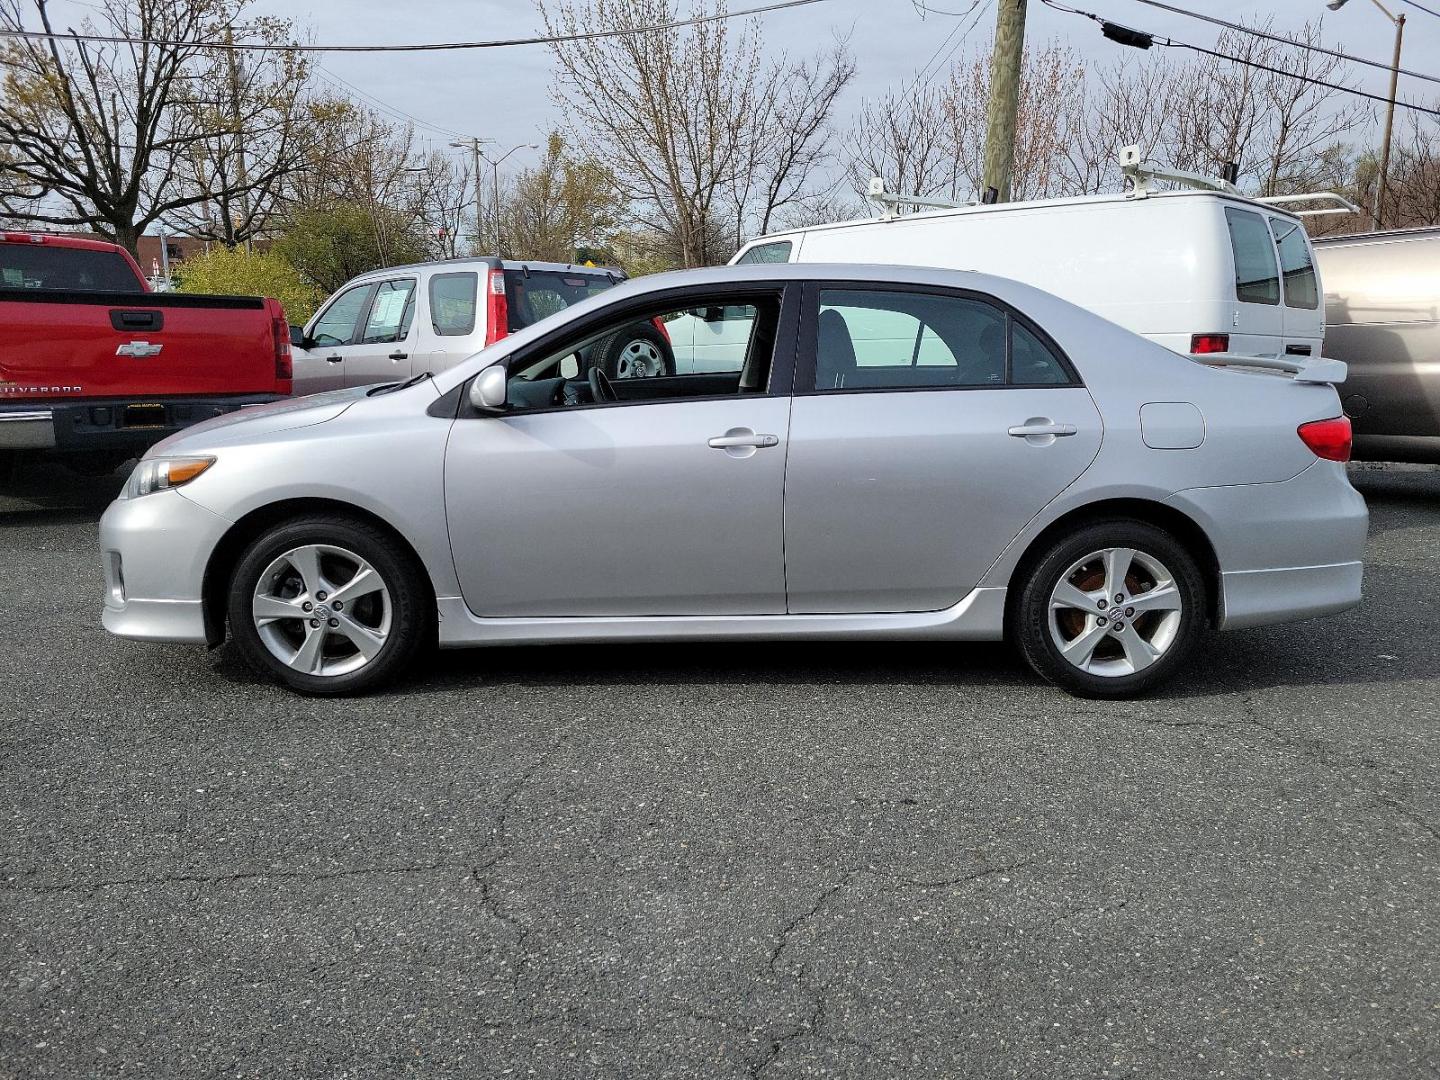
(1382, 317)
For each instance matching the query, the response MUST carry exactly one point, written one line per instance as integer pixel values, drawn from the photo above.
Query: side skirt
(980, 616)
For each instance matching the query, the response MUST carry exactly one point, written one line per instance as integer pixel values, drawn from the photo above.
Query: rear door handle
(334, 359)
(399, 356)
(728, 442)
(1035, 427)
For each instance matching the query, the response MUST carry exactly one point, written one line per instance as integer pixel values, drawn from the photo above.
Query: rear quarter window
(452, 303)
(777, 252)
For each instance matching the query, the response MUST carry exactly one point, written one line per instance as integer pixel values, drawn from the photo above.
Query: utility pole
(1398, 21)
(1005, 63)
(242, 171)
(474, 146)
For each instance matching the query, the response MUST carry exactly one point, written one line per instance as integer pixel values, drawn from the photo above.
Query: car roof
(1384, 236)
(491, 262)
(1112, 198)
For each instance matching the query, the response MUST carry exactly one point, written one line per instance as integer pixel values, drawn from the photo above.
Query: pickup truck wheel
(636, 352)
(1112, 611)
(328, 606)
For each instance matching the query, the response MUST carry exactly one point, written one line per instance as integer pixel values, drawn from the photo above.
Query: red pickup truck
(95, 367)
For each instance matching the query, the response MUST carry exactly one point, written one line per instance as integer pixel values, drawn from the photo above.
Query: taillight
(660, 325)
(284, 364)
(1329, 439)
(1209, 343)
(497, 311)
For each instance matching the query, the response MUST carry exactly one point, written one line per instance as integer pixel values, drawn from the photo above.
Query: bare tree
(903, 138)
(104, 135)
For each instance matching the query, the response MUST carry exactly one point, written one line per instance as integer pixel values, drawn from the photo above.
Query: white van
(1198, 271)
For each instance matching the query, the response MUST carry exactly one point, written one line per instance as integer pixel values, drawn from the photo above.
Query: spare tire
(638, 351)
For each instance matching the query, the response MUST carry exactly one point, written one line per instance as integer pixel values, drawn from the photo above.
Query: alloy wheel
(640, 359)
(1115, 612)
(322, 610)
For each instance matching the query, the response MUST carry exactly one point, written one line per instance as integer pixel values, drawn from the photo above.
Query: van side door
(1258, 325)
(1304, 321)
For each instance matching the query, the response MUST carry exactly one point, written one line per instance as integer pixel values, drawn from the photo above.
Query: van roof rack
(890, 203)
(1140, 173)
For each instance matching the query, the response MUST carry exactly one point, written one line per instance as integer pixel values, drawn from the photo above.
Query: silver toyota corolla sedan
(843, 452)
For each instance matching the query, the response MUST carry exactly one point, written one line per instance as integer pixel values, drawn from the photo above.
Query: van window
(1257, 279)
(1301, 290)
(336, 325)
(777, 252)
(391, 312)
(452, 303)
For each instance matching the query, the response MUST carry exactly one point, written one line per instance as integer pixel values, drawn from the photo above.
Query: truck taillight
(497, 311)
(23, 238)
(1209, 343)
(1328, 439)
(284, 363)
(660, 325)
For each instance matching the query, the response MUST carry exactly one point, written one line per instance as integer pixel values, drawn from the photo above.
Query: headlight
(157, 474)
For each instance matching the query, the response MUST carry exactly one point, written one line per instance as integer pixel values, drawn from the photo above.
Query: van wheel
(1112, 611)
(328, 605)
(636, 352)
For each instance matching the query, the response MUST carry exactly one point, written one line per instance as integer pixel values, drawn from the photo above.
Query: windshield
(532, 296)
(36, 266)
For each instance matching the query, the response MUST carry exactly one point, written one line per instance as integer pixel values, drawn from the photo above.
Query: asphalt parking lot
(851, 861)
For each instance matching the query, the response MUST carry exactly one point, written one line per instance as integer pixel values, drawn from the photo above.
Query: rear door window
(533, 295)
(1301, 290)
(452, 303)
(1257, 278)
(390, 312)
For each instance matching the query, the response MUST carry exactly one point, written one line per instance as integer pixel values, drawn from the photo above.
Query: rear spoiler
(1302, 369)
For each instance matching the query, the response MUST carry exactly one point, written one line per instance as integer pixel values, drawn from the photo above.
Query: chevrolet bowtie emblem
(138, 348)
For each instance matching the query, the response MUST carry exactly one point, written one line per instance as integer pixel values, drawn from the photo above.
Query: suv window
(884, 340)
(1301, 289)
(390, 312)
(531, 296)
(777, 252)
(336, 325)
(1257, 279)
(452, 303)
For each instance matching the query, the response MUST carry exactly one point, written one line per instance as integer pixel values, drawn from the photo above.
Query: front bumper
(1287, 551)
(155, 549)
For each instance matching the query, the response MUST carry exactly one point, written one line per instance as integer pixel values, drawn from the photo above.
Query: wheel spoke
(1079, 650)
(362, 637)
(306, 561)
(1069, 596)
(269, 608)
(1117, 568)
(311, 654)
(365, 582)
(1138, 651)
(1160, 598)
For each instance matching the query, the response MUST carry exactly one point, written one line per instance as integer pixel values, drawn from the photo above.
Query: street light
(1399, 23)
(473, 145)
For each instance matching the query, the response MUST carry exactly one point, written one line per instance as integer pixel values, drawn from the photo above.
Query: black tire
(611, 353)
(1030, 616)
(412, 607)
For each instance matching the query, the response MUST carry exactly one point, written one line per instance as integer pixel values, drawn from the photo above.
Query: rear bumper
(1287, 551)
(110, 424)
(155, 550)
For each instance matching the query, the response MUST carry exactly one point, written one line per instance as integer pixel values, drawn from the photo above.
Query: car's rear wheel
(636, 352)
(328, 605)
(1111, 611)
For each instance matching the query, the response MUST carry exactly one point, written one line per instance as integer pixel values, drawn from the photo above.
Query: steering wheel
(600, 388)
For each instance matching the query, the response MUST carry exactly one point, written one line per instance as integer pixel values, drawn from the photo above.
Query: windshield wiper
(390, 388)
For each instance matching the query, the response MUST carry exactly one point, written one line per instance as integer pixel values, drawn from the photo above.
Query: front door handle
(399, 356)
(730, 441)
(333, 359)
(1042, 426)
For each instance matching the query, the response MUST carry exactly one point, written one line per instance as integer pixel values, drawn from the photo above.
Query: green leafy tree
(236, 272)
(331, 244)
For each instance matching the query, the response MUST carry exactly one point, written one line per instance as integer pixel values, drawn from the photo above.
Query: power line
(444, 46)
(925, 71)
(1422, 7)
(393, 111)
(1256, 32)
(1156, 39)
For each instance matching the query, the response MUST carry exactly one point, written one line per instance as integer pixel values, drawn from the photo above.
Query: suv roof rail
(1141, 173)
(890, 202)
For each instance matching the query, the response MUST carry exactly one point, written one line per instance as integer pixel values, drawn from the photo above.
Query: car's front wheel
(1111, 611)
(328, 605)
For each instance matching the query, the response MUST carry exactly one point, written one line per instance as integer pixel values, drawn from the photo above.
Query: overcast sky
(505, 94)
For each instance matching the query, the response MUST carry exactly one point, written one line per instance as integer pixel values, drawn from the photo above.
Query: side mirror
(487, 392)
(297, 337)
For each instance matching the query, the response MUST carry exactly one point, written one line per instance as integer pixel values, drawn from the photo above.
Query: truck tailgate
(65, 344)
